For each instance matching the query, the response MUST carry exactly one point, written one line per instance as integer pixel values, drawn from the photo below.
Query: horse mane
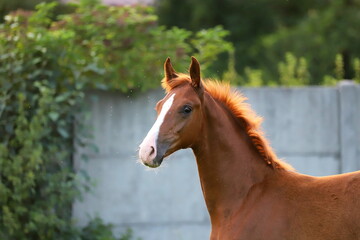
(237, 104)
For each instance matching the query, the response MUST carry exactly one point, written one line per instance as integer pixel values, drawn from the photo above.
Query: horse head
(179, 115)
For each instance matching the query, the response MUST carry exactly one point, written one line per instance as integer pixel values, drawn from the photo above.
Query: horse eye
(187, 109)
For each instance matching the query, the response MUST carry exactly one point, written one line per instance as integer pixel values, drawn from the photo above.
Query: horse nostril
(152, 150)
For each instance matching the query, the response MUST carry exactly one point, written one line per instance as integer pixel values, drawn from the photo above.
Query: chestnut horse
(249, 192)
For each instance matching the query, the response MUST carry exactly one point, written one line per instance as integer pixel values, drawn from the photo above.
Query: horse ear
(170, 72)
(195, 73)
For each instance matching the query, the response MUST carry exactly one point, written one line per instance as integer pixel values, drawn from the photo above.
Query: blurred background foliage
(8, 6)
(267, 34)
(316, 34)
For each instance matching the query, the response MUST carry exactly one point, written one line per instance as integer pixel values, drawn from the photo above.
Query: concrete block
(298, 120)
(314, 165)
(173, 231)
(119, 123)
(127, 192)
(350, 127)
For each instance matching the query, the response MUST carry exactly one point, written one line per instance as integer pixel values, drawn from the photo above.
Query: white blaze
(149, 142)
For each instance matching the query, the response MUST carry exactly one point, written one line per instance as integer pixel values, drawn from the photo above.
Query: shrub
(38, 102)
(124, 46)
(356, 64)
(293, 71)
(97, 230)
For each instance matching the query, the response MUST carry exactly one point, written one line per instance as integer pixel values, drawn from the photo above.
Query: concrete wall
(316, 129)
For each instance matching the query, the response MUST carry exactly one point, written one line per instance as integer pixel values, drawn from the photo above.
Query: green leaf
(54, 116)
(63, 132)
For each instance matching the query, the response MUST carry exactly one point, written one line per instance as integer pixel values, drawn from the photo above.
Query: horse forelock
(175, 82)
(236, 103)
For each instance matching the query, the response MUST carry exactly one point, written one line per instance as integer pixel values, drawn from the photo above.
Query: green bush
(97, 230)
(263, 31)
(8, 6)
(356, 65)
(38, 102)
(45, 66)
(124, 47)
(320, 37)
(293, 72)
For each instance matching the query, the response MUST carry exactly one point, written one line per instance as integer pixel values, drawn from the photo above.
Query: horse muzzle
(152, 155)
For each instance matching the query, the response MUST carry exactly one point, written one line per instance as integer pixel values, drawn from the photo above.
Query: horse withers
(249, 192)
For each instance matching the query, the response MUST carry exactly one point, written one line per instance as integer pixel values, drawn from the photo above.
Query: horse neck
(228, 163)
